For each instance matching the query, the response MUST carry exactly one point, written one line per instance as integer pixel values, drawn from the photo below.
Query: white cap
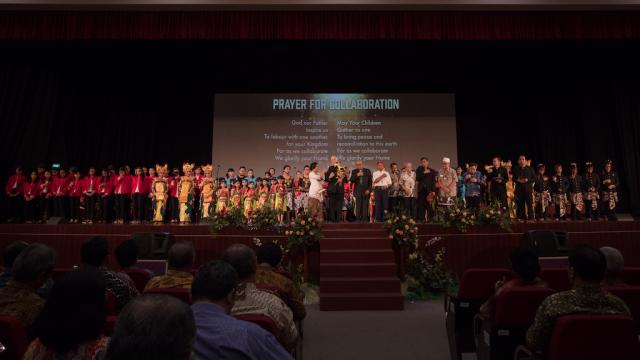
(446, 160)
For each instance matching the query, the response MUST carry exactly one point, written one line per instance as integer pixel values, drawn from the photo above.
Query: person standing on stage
(331, 177)
(559, 188)
(61, 202)
(575, 193)
(139, 194)
(408, 190)
(497, 178)
(315, 193)
(381, 184)
(197, 180)
(474, 180)
(186, 189)
(207, 193)
(395, 199)
(335, 192)
(173, 214)
(609, 189)
(288, 185)
(46, 197)
(75, 196)
(13, 189)
(106, 194)
(361, 180)
(122, 193)
(90, 186)
(426, 179)
(591, 195)
(542, 194)
(447, 182)
(524, 177)
(30, 193)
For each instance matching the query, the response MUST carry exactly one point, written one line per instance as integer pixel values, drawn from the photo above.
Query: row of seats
(515, 310)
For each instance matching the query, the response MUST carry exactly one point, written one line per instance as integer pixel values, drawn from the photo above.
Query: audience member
(587, 267)
(525, 268)
(219, 335)
(71, 322)
(31, 269)
(126, 255)
(267, 274)
(615, 267)
(153, 327)
(94, 254)
(250, 300)
(181, 257)
(9, 255)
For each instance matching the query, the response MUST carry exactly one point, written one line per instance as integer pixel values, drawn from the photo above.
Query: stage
(481, 246)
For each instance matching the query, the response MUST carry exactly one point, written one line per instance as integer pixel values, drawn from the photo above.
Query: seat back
(263, 321)
(478, 284)
(179, 293)
(140, 278)
(517, 306)
(631, 275)
(593, 337)
(631, 296)
(14, 338)
(556, 278)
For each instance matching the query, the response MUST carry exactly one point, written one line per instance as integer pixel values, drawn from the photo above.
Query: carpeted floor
(418, 332)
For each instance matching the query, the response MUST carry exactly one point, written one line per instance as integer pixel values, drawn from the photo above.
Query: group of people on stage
(335, 193)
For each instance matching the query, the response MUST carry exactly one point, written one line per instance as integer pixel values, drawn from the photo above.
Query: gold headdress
(207, 168)
(187, 167)
(162, 169)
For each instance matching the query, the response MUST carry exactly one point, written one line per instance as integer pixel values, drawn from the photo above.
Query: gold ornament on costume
(160, 169)
(187, 167)
(207, 168)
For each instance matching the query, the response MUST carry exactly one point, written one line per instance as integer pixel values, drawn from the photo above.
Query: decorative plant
(495, 215)
(231, 218)
(303, 232)
(426, 272)
(456, 215)
(263, 219)
(402, 227)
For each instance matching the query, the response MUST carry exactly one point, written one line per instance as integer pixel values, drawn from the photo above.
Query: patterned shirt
(408, 184)
(582, 299)
(21, 302)
(250, 300)
(122, 290)
(473, 188)
(90, 350)
(172, 279)
(220, 336)
(266, 276)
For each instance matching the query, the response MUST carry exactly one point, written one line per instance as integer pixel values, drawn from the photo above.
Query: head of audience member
(574, 169)
(615, 264)
(608, 166)
(126, 254)
(33, 266)
(215, 283)
(74, 312)
(557, 169)
(586, 265)
(11, 252)
(269, 254)
(496, 161)
(446, 163)
(243, 259)
(525, 264)
(589, 167)
(94, 251)
(156, 327)
(380, 166)
(181, 256)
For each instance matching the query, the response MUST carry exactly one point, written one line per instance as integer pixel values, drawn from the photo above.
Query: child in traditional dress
(372, 207)
(222, 196)
(236, 195)
(280, 204)
(249, 201)
(207, 193)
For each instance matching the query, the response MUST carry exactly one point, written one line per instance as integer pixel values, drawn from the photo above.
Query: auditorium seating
(179, 293)
(140, 278)
(13, 337)
(497, 338)
(263, 321)
(556, 278)
(631, 275)
(590, 337)
(631, 296)
(476, 286)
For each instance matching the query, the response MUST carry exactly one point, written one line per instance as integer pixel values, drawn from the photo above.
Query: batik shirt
(21, 302)
(266, 276)
(172, 279)
(122, 290)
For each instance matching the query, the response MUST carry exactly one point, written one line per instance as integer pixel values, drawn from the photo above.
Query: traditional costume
(575, 193)
(591, 197)
(609, 191)
(186, 189)
(542, 194)
(222, 196)
(559, 187)
(207, 193)
(159, 194)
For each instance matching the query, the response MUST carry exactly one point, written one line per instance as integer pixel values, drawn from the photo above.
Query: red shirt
(139, 183)
(15, 184)
(122, 185)
(77, 186)
(61, 186)
(45, 187)
(107, 186)
(31, 189)
(173, 187)
(91, 184)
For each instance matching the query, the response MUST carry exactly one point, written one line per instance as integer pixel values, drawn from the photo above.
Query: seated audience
(250, 300)
(31, 269)
(153, 327)
(180, 262)
(269, 258)
(9, 255)
(71, 322)
(587, 267)
(219, 335)
(94, 254)
(615, 267)
(126, 255)
(525, 268)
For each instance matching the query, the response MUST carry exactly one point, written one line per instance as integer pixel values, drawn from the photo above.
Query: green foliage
(264, 218)
(403, 229)
(427, 274)
(455, 215)
(493, 214)
(303, 232)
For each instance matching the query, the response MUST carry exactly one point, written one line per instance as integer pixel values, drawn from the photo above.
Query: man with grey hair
(408, 189)
(31, 269)
(615, 266)
(180, 262)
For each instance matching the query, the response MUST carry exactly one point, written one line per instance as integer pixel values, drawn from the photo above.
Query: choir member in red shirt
(90, 188)
(149, 201)
(46, 196)
(197, 180)
(13, 189)
(105, 187)
(122, 193)
(30, 194)
(174, 205)
(61, 195)
(75, 196)
(139, 192)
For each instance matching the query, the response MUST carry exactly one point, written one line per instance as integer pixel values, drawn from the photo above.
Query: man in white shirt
(315, 192)
(408, 189)
(446, 182)
(381, 184)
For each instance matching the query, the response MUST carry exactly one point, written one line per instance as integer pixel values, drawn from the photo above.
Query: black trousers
(74, 207)
(105, 206)
(334, 209)
(499, 193)
(90, 207)
(409, 203)
(122, 206)
(423, 207)
(524, 200)
(61, 206)
(45, 207)
(15, 207)
(473, 203)
(31, 210)
(606, 212)
(591, 214)
(173, 209)
(362, 207)
(139, 201)
(381, 202)
(394, 202)
(575, 214)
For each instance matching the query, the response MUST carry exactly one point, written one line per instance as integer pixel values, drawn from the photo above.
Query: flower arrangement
(263, 218)
(426, 272)
(231, 218)
(455, 215)
(494, 214)
(303, 232)
(403, 231)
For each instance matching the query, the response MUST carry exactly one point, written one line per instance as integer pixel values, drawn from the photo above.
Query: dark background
(141, 102)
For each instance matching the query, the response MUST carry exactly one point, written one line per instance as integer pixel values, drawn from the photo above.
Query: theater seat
(556, 278)
(476, 286)
(497, 338)
(631, 275)
(140, 278)
(14, 338)
(631, 296)
(179, 293)
(263, 321)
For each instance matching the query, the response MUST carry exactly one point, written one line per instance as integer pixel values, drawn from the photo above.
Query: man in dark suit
(361, 179)
(331, 177)
(426, 183)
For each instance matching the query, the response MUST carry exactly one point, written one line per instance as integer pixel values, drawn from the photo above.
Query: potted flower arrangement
(456, 215)
(494, 214)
